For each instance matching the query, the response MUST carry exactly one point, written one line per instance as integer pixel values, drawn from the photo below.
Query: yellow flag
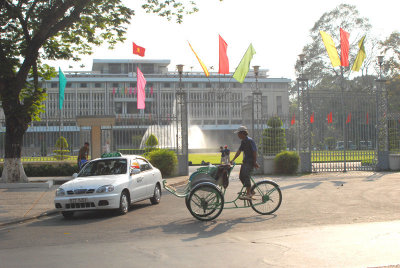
(201, 63)
(330, 48)
(360, 56)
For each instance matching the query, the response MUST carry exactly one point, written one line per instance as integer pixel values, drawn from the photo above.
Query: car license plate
(77, 200)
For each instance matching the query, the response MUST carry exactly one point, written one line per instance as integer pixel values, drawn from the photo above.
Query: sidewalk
(21, 202)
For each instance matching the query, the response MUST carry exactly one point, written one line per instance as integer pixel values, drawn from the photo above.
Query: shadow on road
(200, 229)
(86, 217)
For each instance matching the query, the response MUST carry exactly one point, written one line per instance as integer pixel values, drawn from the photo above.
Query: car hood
(92, 182)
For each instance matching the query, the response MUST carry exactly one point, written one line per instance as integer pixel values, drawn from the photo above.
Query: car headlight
(105, 189)
(60, 192)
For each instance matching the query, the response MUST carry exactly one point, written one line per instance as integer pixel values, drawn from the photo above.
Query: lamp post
(381, 129)
(256, 100)
(181, 126)
(304, 108)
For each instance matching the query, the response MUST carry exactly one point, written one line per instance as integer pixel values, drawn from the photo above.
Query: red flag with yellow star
(138, 50)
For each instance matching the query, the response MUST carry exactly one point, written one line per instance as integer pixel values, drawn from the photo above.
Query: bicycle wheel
(205, 202)
(267, 198)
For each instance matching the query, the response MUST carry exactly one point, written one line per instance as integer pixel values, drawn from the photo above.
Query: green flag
(360, 56)
(244, 65)
(62, 82)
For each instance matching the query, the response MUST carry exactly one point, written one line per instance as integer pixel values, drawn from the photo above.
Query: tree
(62, 148)
(38, 30)
(317, 64)
(274, 140)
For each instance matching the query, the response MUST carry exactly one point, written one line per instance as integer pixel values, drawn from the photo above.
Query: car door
(149, 176)
(137, 182)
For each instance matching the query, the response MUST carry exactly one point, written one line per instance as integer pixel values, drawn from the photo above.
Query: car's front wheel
(67, 214)
(124, 203)
(156, 196)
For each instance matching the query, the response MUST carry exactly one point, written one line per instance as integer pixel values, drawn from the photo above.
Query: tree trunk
(13, 170)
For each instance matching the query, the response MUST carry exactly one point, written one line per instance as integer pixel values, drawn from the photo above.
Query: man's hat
(241, 129)
(226, 146)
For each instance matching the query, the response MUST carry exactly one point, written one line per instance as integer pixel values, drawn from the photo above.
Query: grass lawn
(213, 158)
(338, 156)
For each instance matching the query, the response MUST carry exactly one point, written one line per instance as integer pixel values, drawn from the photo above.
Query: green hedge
(286, 162)
(49, 170)
(165, 160)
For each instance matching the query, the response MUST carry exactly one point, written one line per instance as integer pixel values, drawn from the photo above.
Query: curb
(23, 220)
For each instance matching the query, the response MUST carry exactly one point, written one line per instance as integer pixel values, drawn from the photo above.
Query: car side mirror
(135, 171)
(74, 176)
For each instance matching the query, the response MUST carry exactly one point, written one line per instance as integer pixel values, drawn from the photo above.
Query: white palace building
(217, 104)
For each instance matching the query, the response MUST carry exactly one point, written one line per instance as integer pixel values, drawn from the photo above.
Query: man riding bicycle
(249, 149)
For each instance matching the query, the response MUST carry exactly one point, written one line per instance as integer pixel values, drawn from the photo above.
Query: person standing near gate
(83, 155)
(249, 149)
(226, 158)
(221, 150)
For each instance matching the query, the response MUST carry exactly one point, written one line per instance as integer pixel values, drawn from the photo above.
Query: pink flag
(151, 91)
(135, 91)
(130, 91)
(113, 91)
(223, 58)
(141, 95)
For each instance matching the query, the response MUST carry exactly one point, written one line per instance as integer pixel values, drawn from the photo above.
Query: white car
(112, 182)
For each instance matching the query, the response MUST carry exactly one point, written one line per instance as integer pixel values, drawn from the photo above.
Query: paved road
(324, 220)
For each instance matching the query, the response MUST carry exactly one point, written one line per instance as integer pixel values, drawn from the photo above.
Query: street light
(380, 62)
(382, 128)
(182, 125)
(256, 94)
(304, 126)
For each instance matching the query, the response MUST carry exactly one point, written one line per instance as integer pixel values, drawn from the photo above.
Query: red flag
(293, 119)
(344, 47)
(151, 91)
(329, 118)
(312, 118)
(138, 50)
(130, 91)
(223, 58)
(367, 118)
(113, 91)
(141, 95)
(348, 118)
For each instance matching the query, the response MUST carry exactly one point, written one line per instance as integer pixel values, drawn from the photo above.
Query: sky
(278, 31)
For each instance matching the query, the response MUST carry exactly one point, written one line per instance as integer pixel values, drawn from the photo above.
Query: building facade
(217, 104)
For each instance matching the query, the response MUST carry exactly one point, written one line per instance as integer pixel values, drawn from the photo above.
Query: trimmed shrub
(163, 159)
(273, 140)
(286, 162)
(62, 149)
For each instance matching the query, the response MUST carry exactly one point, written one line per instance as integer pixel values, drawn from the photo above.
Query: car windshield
(104, 167)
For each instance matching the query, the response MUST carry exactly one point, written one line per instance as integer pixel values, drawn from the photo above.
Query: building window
(167, 85)
(84, 85)
(114, 68)
(69, 85)
(279, 105)
(54, 85)
(131, 108)
(264, 103)
(118, 107)
(115, 85)
(195, 85)
(97, 85)
(208, 85)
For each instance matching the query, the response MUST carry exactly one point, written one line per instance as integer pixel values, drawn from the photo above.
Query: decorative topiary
(273, 140)
(62, 151)
(163, 159)
(151, 143)
(286, 162)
